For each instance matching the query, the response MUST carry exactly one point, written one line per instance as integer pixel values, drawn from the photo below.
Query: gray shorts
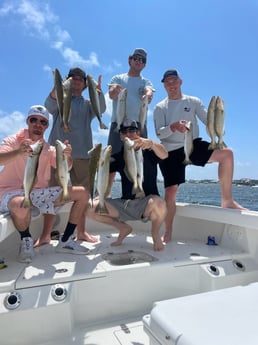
(130, 209)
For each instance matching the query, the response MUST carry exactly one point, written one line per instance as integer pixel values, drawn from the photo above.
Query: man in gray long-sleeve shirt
(80, 137)
(171, 117)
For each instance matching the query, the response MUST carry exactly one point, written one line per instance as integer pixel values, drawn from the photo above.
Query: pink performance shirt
(11, 177)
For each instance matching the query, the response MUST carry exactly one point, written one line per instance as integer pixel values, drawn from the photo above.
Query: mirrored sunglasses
(139, 59)
(35, 120)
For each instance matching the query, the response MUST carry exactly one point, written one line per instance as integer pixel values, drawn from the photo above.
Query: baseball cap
(38, 110)
(128, 123)
(169, 73)
(77, 71)
(140, 51)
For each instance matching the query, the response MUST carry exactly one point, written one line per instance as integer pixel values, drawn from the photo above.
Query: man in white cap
(14, 151)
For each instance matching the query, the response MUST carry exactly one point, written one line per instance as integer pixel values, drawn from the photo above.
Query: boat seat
(227, 316)
(7, 227)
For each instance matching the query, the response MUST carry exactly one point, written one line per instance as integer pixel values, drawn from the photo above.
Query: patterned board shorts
(43, 199)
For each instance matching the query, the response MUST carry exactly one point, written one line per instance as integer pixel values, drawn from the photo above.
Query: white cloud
(11, 123)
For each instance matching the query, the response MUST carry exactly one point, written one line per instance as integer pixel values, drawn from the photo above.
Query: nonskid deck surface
(124, 332)
(49, 267)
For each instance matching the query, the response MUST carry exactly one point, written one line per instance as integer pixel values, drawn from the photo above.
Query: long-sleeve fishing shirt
(170, 111)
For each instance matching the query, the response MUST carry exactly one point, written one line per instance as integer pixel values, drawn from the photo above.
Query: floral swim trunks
(42, 198)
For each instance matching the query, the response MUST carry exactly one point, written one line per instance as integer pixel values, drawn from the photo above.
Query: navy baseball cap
(169, 73)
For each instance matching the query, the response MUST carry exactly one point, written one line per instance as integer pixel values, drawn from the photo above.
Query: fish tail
(102, 125)
(65, 196)
(140, 194)
(101, 208)
(67, 129)
(26, 203)
(187, 161)
(212, 146)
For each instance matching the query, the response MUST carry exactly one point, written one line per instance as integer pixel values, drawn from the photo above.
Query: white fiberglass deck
(104, 303)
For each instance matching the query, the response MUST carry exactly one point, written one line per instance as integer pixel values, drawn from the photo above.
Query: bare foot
(167, 237)
(232, 204)
(87, 237)
(41, 241)
(124, 230)
(158, 245)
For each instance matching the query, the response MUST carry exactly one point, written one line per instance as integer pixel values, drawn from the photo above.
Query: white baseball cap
(38, 110)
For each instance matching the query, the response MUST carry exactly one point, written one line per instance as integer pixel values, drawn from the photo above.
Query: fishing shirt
(150, 164)
(169, 111)
(135, 90)
(11, 177)
(80, 136)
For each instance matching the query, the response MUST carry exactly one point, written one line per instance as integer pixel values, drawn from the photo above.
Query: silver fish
(62, 172)
(103, 178)
(219, 122)
(67, 96)
(30, 173)
(93, 166)
(188, 142)
(58, 82)
(143, 111)
(121, 108)
(130, 163)
(139, 164)
(94, 99)
(211, 123)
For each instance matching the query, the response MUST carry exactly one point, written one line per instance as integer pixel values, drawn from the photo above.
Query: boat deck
(100, 298)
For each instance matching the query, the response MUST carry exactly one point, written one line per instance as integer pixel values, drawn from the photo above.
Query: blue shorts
(173, 168)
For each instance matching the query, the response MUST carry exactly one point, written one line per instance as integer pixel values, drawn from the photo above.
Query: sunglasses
(139, 59)
(35, 120)
(128, 130)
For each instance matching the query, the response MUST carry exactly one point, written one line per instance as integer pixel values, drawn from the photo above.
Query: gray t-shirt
(135, 90)
(80, 136)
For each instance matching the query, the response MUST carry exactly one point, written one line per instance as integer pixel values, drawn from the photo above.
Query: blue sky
(212, 43)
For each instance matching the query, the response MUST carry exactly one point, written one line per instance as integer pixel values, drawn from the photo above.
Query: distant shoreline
(241, 182)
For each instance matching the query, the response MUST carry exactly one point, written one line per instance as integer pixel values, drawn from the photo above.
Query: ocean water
(206, 194)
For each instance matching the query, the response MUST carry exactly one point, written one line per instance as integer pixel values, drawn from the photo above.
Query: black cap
(169, 73)
(128, 123)
(77, 71)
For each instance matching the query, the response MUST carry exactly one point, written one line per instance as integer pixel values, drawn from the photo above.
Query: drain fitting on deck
(58, 292)
(238, 265)
(12, 300)
(213, 270)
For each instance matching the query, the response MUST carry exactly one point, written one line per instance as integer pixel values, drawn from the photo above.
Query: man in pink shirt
(14, 151)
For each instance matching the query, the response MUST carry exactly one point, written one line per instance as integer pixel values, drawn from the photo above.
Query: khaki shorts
(79, 174)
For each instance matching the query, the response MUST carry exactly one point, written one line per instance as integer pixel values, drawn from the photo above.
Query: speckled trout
(121, 108)
(219, 122)
(210, 127)
(93, 166)
(102, 179)
(143, 111)
(62, 172)
(188, 142)
(58, 82)
(30, 173)
(94, 99)
(67, 96)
